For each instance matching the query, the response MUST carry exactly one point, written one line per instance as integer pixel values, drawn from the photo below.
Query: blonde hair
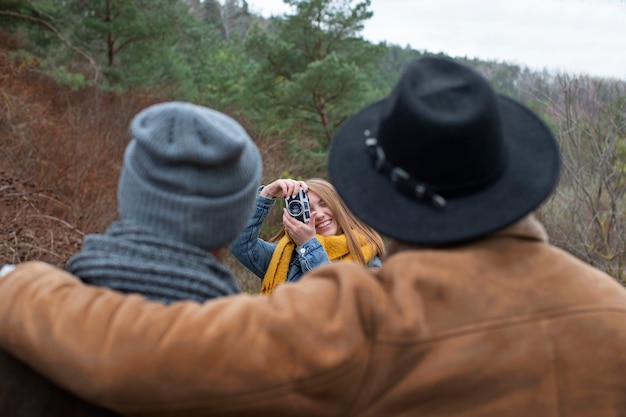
(350, 226)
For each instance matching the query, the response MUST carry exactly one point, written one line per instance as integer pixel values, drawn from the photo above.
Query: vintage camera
(298, 206)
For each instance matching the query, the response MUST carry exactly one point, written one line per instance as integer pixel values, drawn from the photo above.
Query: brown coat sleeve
(240, 353)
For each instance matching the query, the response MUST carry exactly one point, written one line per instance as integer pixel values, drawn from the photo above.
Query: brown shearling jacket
(505, 326)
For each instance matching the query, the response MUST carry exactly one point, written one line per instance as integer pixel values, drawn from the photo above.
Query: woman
(332, 234)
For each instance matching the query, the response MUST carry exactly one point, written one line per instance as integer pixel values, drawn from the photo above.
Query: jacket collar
(528, 228)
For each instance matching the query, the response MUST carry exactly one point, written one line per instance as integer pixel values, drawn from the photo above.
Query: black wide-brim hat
(443, 159)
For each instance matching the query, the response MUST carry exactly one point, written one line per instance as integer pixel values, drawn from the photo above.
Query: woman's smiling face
(325, 223)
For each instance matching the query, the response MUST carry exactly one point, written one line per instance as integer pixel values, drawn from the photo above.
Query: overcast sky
(575, 36)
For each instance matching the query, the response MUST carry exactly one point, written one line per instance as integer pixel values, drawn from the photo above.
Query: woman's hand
(298, 231)
(282, 188)
(287, 187)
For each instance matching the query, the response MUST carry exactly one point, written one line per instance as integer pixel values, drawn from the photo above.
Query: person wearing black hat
(472, 313)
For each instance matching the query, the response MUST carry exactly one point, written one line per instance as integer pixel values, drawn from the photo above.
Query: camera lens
(295, 208)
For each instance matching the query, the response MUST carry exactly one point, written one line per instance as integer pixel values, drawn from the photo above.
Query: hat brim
(531, 174)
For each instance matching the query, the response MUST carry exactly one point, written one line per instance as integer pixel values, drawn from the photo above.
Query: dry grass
(62, 152)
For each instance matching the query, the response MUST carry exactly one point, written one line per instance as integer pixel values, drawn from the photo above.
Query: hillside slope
(62, 152)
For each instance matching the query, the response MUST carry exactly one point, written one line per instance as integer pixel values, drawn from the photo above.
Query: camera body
(298, 206)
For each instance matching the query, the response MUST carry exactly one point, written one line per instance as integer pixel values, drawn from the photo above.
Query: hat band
(418, 190)
(401, 179)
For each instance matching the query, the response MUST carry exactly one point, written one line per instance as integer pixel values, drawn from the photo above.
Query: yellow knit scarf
(335, 246)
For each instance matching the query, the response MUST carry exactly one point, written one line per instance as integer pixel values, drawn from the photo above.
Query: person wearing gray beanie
(186, 189)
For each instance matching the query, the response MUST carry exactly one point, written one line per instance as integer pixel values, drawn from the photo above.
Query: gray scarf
(131, 259)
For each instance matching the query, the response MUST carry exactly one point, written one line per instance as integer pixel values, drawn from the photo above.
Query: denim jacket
(255, 253)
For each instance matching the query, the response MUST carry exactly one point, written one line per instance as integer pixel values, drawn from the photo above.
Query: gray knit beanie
(190, 173)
